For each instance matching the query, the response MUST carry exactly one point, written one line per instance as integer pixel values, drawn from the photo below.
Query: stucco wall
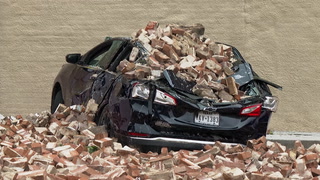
(279, 38)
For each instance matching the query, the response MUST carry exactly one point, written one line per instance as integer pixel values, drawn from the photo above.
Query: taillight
(142, 91)
(254, 110)
(137, 134)
(164, 98)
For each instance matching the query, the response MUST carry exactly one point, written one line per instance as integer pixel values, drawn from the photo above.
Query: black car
(162, 110)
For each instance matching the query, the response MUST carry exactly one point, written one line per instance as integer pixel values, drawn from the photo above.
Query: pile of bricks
(191, 56)
(71, 146)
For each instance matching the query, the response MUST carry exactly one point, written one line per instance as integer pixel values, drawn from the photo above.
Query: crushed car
(170, 87)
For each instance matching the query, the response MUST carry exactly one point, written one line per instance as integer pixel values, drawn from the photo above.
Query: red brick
(30, 174)
(275, 176)
(179, 169)
(179, 31)
(157, 43)
(10, 152)
(244, 155)
(205, 161)
(235, 164)
(252, 167)
(37, 147)
(213, 65)
(286, 170)
(228, 71)
(312, 164)
(133, 170)
(177, 47)
(88, 133)
(231, 84)
(103, 142)
(310, 157)
(34, 167)
(194, 174)
(135, 160)
(234, 173)
(10, 133)
(234, 148)
(79, 170)
(53, 127)
(225, 96)
(188, 162)
(257, 176)
(69, 154)
(30, 153)
(20, 162)
(300, 165)
(80, 148)
(7, 144)
(160, 158)
(170, 52)
(299, 148)
(315, 172)
(167, 40)
(125, 151)
(160, 56)
(152, 25)
(164, 151)
(202, 54)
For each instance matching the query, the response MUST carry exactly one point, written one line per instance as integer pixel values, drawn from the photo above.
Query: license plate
(207, 118)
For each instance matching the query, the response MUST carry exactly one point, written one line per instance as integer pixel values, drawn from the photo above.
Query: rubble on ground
(71, 146)
(190, 55)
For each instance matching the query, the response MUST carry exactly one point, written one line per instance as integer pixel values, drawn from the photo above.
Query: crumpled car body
(162, 111)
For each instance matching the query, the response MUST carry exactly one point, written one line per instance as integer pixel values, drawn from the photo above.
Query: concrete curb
(288, 138)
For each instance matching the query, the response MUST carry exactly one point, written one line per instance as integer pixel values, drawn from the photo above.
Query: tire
(56, 101)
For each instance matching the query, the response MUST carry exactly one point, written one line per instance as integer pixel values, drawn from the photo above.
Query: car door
(91, 65)
(105, 80)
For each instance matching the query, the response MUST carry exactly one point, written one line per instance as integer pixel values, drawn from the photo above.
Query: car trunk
(201, 115)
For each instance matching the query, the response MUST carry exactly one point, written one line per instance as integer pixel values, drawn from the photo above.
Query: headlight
(271, 103)
(142, 91)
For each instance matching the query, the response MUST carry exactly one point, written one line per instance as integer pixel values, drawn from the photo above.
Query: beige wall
(279, 38)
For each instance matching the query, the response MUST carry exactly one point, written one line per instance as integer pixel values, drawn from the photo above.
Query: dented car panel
(147, 98)
(178, 121)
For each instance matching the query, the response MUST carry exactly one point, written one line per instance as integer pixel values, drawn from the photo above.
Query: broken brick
(157, 43)
(167, 40)
(170, 52)
(152, 25)
(225, 96)
(160, 56)
(103, 142)
(231, 84)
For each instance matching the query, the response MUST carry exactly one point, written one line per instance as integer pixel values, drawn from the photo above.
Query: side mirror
(73, 58)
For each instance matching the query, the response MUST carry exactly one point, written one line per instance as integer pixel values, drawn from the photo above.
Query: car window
(105, 56)
(125, 55)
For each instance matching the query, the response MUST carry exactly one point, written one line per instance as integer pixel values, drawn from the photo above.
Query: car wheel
(105, 121)
(56, 101)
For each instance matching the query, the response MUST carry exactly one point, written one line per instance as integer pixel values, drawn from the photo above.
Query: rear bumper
(173, 126)
(171, 142)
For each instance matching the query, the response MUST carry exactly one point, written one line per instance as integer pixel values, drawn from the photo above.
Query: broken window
(106, 55)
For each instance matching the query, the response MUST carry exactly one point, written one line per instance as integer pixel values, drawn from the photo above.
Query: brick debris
(69, 145)
(190, 55)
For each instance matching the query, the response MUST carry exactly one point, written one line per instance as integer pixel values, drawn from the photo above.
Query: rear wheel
(56, 101)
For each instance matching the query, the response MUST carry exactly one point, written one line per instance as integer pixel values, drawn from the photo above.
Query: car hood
(182, 89)
(243, 75)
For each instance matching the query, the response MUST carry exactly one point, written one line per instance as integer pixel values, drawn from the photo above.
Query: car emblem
(210, 109)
